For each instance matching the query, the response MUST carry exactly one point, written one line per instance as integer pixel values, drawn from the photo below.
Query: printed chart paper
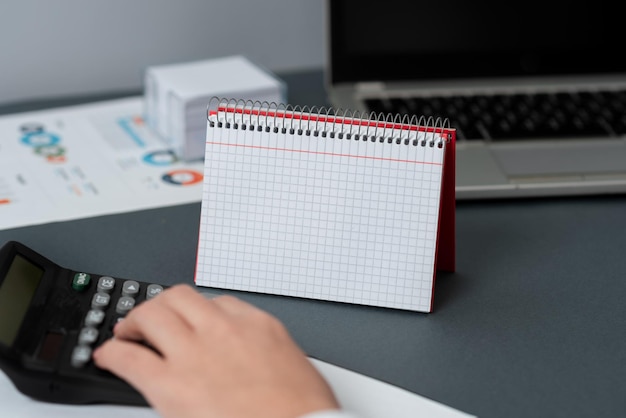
(87, 160)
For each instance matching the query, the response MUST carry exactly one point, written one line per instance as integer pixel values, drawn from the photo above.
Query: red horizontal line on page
(324, 153)
(4, 201)
(324, 119)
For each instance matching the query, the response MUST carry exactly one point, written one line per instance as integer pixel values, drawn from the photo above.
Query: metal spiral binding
(380, 127)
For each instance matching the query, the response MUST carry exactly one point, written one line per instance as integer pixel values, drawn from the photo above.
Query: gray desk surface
(532, 324)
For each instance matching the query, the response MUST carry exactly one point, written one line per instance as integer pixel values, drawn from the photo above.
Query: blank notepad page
(323, 217)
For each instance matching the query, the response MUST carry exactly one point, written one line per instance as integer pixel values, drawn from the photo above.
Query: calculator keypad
(96, 318)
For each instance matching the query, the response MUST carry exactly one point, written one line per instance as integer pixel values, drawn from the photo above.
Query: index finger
(200, 310)
(133, 362)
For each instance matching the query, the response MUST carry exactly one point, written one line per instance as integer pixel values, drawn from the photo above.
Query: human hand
(217, 358)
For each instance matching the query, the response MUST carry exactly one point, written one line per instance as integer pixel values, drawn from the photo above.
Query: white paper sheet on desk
(364, 396)
(371, 398)
(88, 160)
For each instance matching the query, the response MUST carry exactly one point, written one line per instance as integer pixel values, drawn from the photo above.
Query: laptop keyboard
(520, 116)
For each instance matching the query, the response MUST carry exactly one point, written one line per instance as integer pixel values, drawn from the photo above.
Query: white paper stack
(177, 96)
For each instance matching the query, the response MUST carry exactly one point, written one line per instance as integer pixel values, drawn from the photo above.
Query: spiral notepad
(323, 204)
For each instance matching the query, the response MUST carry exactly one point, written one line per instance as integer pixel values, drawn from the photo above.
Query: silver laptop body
(425, 57)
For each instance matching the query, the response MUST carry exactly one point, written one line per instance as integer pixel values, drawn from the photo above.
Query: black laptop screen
(439, 39)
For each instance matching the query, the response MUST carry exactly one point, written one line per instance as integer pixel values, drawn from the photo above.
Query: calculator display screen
(16, 292)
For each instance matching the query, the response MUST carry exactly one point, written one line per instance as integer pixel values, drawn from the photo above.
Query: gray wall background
(53, 48)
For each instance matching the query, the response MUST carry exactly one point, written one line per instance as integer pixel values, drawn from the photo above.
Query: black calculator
(52, 318)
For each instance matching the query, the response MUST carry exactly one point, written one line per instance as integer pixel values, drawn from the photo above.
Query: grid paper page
(324, 218)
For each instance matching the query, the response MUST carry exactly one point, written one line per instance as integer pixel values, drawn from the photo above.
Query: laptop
(535, 89)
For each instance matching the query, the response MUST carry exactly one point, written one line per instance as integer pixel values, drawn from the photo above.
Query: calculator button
(153, 290)
(100, 300)
(87, 336)
(80, 356)
(130, 288)
(106, 284)
(124, 304)
(81, 281)
(94, 317)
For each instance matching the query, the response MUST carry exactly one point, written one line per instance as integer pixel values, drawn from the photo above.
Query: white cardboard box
(177, 96)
